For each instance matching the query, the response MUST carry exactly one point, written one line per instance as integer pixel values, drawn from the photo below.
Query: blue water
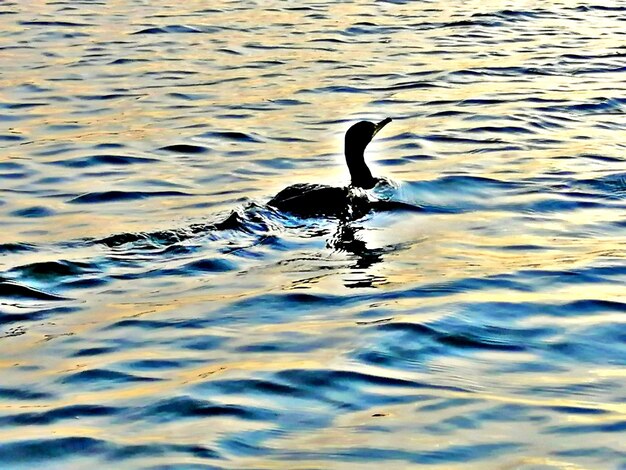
(156, 313)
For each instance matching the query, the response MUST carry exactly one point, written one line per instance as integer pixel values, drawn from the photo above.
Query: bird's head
(357, 138)
(361, 134)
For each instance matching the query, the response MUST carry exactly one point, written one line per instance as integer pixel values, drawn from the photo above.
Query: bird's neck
(360, 174)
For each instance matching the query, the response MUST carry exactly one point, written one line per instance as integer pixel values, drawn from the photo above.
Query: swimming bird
(311, 200)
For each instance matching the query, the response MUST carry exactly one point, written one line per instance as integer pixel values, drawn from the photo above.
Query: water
(484, 329)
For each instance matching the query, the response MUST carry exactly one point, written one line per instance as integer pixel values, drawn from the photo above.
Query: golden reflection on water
(231, 92)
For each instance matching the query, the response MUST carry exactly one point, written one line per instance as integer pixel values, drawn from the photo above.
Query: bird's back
(310, 200)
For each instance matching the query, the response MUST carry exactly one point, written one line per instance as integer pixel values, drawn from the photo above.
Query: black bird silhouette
(312, 200)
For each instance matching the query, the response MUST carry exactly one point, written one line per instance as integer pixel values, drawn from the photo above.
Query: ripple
(33, 313)
(21, 394)
(210, 265)
(176, 29)
(68, 448)
(31, 451)
(584, 8)
(187, 407)
(58, 414)
(69, 24)
(54, 269)
(502, 130)
(107, 96)
(495, 340)
(12, 138)
(231, 135)
(619, 426)
(330, 379)
(14, 290)
(185, 148)
(449, 454)
(102, 378)
(154, 364)
(33, 212)
(96, 160)
(116, 196)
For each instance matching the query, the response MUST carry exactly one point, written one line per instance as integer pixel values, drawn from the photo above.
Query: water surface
(485, 329)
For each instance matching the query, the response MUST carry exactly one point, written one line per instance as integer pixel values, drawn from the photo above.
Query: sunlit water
(484, 329)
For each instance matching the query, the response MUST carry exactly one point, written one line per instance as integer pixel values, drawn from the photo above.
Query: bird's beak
(380, 125)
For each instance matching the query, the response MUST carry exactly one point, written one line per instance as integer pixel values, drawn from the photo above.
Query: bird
(314, 200)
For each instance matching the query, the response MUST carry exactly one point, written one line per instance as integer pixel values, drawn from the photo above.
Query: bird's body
(319, 200)
(311, 200)
(315, 200)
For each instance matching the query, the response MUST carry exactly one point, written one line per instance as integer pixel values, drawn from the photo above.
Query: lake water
(483, 329)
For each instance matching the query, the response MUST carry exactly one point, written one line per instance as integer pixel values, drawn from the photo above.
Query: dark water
(143, 324)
